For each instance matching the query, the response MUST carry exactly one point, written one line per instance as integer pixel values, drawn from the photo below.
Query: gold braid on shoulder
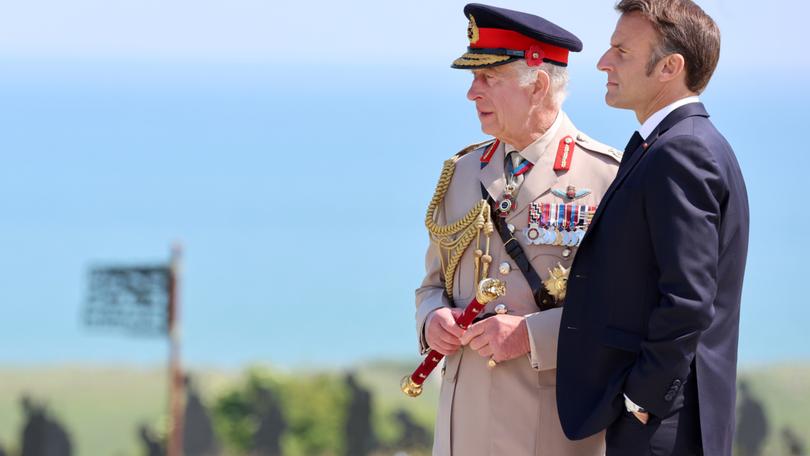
(454, 238)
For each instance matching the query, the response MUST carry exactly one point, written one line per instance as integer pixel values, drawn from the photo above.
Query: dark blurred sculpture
(42, 435)
(198, 432)
(151, 443)
(752, 424)
(414, 436)
(792, 442)
(359, 435)
(267, 438)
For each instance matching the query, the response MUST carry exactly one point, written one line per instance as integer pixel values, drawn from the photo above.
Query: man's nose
(474, 92)
(604, 62)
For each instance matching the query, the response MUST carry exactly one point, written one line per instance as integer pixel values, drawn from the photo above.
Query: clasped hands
(500, 337)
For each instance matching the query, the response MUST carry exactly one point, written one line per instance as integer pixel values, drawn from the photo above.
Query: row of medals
(553, 235)
(568, 233)
(546, 234)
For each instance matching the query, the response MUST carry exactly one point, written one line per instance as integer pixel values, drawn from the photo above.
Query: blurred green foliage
(103, 407)
(313, 407)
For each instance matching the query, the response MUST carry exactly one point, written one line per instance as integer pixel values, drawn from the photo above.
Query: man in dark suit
(648, 338)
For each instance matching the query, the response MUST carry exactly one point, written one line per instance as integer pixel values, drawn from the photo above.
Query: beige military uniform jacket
(511, 409)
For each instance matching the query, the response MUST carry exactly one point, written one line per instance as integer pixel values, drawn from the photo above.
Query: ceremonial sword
(488, 290)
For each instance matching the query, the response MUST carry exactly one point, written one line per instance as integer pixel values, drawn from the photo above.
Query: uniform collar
(534, 151)
(649, 125)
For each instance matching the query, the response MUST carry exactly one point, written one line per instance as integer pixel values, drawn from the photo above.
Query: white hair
(558, 78)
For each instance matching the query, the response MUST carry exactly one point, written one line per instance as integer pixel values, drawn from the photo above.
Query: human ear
(541, 85)
(671, 67)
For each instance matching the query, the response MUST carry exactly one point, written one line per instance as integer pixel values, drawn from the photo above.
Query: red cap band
(507, 39)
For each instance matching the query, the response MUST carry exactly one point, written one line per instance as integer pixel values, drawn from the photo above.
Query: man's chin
(487, 130)
(614, 103)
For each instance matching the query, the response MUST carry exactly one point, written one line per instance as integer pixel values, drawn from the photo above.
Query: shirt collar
(535, 150)
(649, 125)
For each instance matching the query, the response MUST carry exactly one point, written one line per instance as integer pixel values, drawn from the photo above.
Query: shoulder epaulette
(588, 143)
(471, 148)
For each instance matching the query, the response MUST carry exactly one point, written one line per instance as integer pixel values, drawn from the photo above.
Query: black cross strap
(542, 298)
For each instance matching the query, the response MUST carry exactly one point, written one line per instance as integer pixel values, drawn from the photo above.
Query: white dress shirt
(649, 125)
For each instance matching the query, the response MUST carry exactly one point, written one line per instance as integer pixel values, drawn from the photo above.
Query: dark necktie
(632, 146)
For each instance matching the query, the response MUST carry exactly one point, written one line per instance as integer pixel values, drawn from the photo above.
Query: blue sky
(343, 32)
(293, 149)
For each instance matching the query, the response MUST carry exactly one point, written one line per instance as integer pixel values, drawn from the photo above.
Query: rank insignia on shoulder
(571, 193)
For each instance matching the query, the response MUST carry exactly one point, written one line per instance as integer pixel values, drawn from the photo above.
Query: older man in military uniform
(542, 179)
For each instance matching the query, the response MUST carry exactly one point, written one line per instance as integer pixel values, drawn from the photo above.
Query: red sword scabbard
(488, 290)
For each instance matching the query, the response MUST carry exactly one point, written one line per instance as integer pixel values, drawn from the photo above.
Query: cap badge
(472, 30)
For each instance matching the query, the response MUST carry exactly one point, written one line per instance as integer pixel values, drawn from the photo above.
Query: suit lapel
(689, 110)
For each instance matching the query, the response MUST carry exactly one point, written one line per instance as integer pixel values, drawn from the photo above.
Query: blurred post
(176, 383)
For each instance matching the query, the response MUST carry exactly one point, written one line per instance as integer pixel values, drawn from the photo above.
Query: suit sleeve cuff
(543, 328)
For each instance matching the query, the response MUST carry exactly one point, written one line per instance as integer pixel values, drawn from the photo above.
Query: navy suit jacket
(656, 286)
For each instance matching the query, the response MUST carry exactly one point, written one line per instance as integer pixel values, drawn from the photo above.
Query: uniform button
(500, 309)
(504, 268)
(511, 228)
(566, 253)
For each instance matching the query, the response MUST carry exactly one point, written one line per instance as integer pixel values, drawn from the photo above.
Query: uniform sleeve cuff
(423, 344)
(543, 328)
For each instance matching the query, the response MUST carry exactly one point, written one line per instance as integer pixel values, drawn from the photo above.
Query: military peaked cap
(499, 36)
